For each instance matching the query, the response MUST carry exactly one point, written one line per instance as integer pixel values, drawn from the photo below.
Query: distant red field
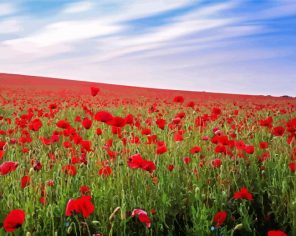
(12, 81)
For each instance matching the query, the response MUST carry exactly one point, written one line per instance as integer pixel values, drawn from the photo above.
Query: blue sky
(236, 46)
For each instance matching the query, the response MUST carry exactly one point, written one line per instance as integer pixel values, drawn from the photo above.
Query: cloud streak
(7, 9)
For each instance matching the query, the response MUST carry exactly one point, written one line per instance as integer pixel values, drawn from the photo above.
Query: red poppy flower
(220, 217)
(85, 145)
(1, 154)
(250, 149)
(136, 161)
(63, 124)
(278, 131)
(220, 149)
(151, 139)
(77, 119)
(186, 160)
(217, 163)
(195, 149)
(98, 131)
(170, 167)
(55, 138)
(45, 141)
(267, 122)
(142, 216)
(70, 170)
(7, 167)
(84, 190)
(161, 149)
(216, 111)
(42, 200)
(149, 166)
(86, 123)
(71, 207)
(94, 91)
(67, 144)
(161, 123)
(276, 233)
(52, 106)
(14, 220)
(50, 183)
(292, 166)
(105, 171)
(190, 104)
(179, 99)
(263, 145)
(103, 116)
(37, 165)
(2, 144)
(82, 205)
(25, 181)
(243, 194)
(35, 125)
(153, 211)
(146, 131)
(129, 119)
(178, 137)
(116, 121)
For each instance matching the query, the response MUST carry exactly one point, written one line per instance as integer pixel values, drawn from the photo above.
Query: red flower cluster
(243, 194)
(82, 205)
(137, 162)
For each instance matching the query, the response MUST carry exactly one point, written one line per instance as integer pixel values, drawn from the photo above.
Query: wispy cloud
(78, 7)
(67, 32)
(10, 26)
(7, 9)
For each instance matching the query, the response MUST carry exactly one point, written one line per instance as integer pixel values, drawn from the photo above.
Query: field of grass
(81, 158)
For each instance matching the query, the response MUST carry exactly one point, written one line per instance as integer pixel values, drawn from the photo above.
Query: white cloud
(158, 37)
(209, 11)
(7, 9)
(282, 10)
(196, 21)
(78, 7)
(142, 8)
(9, 26)
(225, 37)
(176, 30)
(65, 32)
(72, 31)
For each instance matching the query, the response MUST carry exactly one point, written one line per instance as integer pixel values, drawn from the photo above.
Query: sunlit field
(80, 158)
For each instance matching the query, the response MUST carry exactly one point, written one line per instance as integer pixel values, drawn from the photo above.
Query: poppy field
(79, 158)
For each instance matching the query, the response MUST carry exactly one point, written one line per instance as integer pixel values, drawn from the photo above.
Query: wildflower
(14, 220)
(7, 167)
(243, 194)
(25, 181)
(179, 99)
(219, 218)
(142, 216)
(82, 205)
(276, 233)
(94, 91)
